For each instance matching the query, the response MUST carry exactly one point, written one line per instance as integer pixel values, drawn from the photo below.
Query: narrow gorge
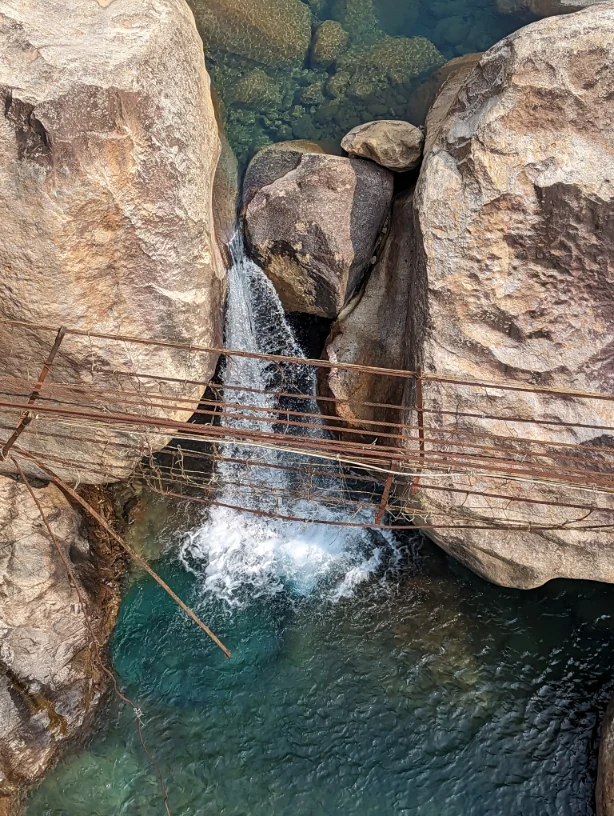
(307, 407)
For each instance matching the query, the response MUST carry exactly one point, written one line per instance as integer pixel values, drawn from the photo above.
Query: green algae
(266, 31)
(330, 40)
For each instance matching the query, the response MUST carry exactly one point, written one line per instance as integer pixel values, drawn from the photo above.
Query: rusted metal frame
(72, 494)
(579, 449)
(383, 504)
(333, 448)
(267, 514)
(317, 363)
(421, 447)
(27, 417)
(492, 418)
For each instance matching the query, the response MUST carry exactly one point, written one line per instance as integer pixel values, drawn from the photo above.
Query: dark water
(427, 693)
(392, 48)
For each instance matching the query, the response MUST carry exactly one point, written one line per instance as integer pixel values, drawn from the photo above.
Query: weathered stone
(456, 75)
(273, 162)
(107, 161)
(513, 282)
(393, 144)
(329, 42)
(267, 31)
(605, 771)
(371, 331)
(313, 230)
(49, 680)
(425, 94)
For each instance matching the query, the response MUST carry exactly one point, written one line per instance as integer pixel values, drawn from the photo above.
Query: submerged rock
(329, 42)
(266, 31)
(49, 680)
(513, 282)
(391, 143)
(107, 162)
(371, 331)
(313, 229)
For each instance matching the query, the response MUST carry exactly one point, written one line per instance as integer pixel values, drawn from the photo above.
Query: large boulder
(393, 144)
(314, 229)
(267, 31)
(543, 8)
(371, 331)
(425, 94)
(107, 162)
(513, 283)
(50, 682)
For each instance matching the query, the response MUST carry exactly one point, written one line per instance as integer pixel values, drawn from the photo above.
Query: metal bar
(420, 413)
(27, 417)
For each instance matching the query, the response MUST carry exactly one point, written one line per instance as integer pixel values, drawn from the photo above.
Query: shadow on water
(427, 692)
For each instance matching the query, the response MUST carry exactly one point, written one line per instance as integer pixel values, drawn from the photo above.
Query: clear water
(375, 78)
(427, 692)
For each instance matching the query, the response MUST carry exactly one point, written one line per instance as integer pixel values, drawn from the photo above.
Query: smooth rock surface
(371, 331)
(313, 230)
(273, 162)
(457, 73)
(107, 162)
(49, 684)
(425, 94)
(393, 144)
(513, 281)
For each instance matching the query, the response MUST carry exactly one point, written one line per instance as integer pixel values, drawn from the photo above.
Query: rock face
(371, 331)
(267, 31)
(393, 144)
(513, 281)
(107, 162)
(456, 74)
(605, 771)
(273, 162)
(544, 8)
(314, 229)
(49, 684)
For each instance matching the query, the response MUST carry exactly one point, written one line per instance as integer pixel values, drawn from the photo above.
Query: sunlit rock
(513, 282)
(393, 144)
(371, 331)
(313, 229)
(49, 683)
(107, 162)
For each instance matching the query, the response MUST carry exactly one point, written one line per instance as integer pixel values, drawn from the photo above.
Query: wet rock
(107, 161)
(371, 331)
(513, 282)
(256, 88)
(329, 42)
(49, 681)
(393, 144)
(273, 162)
(313, 229)
(359, 18)
(267, 31)
(605, 772)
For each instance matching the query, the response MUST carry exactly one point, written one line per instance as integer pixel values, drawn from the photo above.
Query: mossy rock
(359, 19)
(256, 88)
(391, 61)
(266, 31)
(329, 42)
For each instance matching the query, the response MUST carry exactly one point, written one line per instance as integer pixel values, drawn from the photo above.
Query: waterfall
(242, 555)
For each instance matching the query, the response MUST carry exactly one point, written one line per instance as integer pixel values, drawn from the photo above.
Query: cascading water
(245, 555)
